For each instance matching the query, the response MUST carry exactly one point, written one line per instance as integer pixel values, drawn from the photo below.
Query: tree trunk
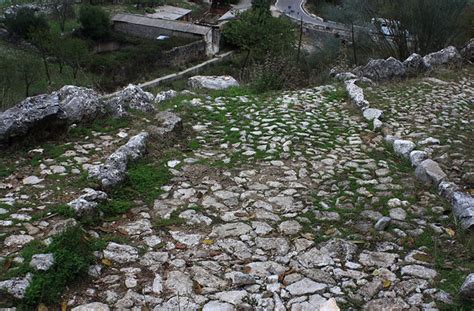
(244, 64)
(61, 65)
(46, 69)
(299, 43)
(354, 49)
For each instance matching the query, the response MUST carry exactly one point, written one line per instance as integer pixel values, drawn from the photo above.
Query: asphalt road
(295, 10)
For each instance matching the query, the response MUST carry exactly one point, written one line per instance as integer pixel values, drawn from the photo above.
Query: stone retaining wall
(426, 170)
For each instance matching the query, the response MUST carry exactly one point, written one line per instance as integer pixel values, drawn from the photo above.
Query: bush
(95, 22)
(275, 73)
(72, 254)
(260, 34)
(24, 22)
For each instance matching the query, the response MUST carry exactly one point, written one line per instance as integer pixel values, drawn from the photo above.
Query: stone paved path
(285, 203)
(437, 114)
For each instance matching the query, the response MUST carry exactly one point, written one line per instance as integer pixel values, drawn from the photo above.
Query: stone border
(426, 170)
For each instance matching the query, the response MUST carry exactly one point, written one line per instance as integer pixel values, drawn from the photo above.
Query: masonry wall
(187, 53)
(150, 32)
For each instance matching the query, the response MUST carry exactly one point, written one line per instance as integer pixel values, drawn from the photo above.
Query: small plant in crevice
(73, 254)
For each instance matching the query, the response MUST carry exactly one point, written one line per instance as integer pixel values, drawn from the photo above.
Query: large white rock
(88, 201)
(231, 229)
(179, 283)
(382, 69)
(16, 287)
(305, 286)
(18, 240)
(372, 113)
(217, 306)
(120, 253)
(417, 156)
(467, 288)
(212, 82)
(429, 171)
(131, 97)
(403, 147)
(419, 271)
(113, 171)
(68, 105)
(356, 94)
(468, 50)
(446, 56)
(42, 261)
(93, 306)
(32, 180)
(415, 64)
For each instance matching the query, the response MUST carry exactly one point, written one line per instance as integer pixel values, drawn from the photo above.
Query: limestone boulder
(463, 209)
(212, 82)
(430, 172)
(113, 171)
(415, 64)
(446, 56)
(467, 52)
(165, 95)
(382, 69)
(68, 105)
(467, 288)
(130, 98)
(356, 94)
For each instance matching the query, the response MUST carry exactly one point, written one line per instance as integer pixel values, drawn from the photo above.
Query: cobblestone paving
(285, 203)
(437, 115)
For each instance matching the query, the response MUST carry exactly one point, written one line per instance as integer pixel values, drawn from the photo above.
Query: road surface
(295, 9)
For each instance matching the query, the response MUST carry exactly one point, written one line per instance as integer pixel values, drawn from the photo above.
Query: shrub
(95, 22)
(275, 73)
(24, 22)
(73, 255)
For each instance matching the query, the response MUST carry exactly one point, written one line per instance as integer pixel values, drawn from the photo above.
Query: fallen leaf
(308, 236)
(106, 262)
(7, 264)
(208, 242)
(450, 232)
(387, 283)
(180, 246)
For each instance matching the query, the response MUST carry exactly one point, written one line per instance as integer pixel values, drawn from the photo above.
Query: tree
(95, 22)
(259, 34)
(7, 77)
(263, 6)
(347, 12)
(43, 41)
(28, 71)
(62, 10)
(73, 52)
(24, 22)
(413, 25)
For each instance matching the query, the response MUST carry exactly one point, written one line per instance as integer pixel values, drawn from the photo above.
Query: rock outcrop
(446, 56)
(212, 82)
(130, 98)
(68, 105)
(415, 64)
(167, 123)
(382, 69)
(114, 170)
(88, 201)
(468, 50)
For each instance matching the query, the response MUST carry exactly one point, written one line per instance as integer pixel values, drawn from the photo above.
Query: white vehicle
(388, 27)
